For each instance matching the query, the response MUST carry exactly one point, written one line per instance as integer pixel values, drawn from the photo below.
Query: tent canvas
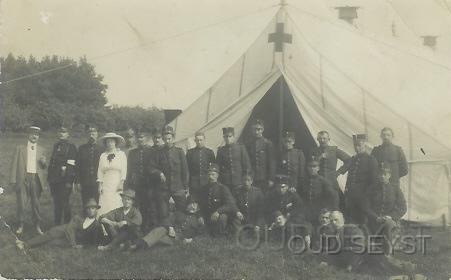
(341, 82)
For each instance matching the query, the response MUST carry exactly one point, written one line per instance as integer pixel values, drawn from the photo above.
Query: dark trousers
(121, 235)
(55, 236)
(224, 225)
(162, 198)
(354, 211)
(89, 191)
(31, 190)
(147, 205)
(61, 201)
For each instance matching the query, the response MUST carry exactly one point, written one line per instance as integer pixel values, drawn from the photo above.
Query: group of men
(248, 185)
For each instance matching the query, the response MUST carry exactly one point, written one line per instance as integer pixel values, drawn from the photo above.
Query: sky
(166, 53)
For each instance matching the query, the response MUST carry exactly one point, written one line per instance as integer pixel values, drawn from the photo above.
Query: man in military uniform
(233, 161)
(137, 166)
(328, 156)
(217, 204)
(250, 202)
(385, 207)
(87, 165)
(392, 155)
(61, 176)
(262, 157)
(362, 176)
(284, 198)
(291, 161)
(199, 159)
(170, 165)
(317, 193)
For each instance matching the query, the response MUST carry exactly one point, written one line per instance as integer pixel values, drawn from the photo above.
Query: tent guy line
(142, 45)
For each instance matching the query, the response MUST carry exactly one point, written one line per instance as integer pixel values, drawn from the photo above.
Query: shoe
(39, 230)
(19, 230)
(104, 248)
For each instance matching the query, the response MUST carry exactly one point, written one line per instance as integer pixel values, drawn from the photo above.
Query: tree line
(66, 92)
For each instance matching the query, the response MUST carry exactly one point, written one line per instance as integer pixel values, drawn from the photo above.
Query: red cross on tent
(279, 37)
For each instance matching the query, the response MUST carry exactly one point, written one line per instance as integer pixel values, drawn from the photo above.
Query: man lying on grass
(80, 232)
(193, 226)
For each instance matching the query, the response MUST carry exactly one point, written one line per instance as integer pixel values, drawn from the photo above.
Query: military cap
(282, 179)
(129, 193)
(277, 214)
(63, 129)
(168, 130)
(34, 129)
(228, 130)
(313, 160)
(288, 134)
(199, 133)
(258, 122)
(359, 138)
(156, 132)
(91, 203)
(190, 199)
(91, 127)
(213, 168)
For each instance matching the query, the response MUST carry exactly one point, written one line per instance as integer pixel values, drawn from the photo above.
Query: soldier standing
(61, 176)
(217, 204)
(291, 161)
(233, 161)
(392, 155)
(87, 165)
(199, 159)
(262, 157)
(250, 202)
(362, 176)
(137, 162)
(317, 193)
(170, 165)
(328, 156)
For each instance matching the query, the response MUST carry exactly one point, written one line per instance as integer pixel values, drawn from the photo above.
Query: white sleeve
(101, 168)
(123, 166)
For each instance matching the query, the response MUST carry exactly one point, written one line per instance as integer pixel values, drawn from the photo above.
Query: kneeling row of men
(216, 210)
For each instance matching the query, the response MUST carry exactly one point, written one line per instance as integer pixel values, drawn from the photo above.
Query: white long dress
(110, 174)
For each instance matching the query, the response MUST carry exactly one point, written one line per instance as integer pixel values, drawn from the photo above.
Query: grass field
(207, 258)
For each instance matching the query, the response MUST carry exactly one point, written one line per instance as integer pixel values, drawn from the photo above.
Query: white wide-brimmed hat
(112, 135)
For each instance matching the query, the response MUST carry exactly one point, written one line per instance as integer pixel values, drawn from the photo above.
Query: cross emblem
(279, 37)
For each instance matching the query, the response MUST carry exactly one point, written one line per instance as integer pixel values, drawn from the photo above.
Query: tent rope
(144, 45)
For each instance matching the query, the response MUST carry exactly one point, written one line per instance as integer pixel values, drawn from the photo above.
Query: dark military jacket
(250, 203)
(137, 166)
(171, 161)
(88, 163)
(362, 174)
(199, 160)
(191, 226)
(216, 197)
(386, 200)
(394, 156)
(286, 203)
(233, 162)
(64, 155)
(262, 158)
(328, 161)
(317, 193)
(292, 163)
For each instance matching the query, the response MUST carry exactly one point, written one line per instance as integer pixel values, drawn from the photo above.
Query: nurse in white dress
(111, 173)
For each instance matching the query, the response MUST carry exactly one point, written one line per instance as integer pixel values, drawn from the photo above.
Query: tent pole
(281, 110)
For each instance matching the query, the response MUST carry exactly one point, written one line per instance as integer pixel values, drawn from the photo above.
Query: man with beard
(61, 176)
(87, 165)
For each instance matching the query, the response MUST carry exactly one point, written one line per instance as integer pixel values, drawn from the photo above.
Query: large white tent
(339, 81)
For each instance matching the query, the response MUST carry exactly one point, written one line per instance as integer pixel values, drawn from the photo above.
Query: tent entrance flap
(278, 110)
